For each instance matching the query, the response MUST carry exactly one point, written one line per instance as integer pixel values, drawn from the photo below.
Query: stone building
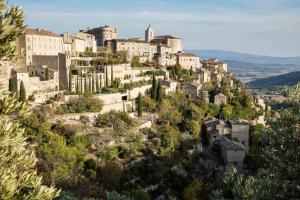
(39, 42)
(188, 61)
(220, 99)
(232, 153)
(192, 89)
(90, 42)
(240, 131)
(103, 34)
(214, 64)
(37, 81)
(203, 76)
(169, 86)
(210, 129)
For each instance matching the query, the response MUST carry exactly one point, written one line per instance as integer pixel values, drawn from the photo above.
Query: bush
(85, 103)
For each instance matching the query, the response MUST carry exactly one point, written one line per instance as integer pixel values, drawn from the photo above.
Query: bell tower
(149, 34)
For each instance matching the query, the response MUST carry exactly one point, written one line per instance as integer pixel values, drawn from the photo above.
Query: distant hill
(245, 57)
(289, 79)
(251, 71)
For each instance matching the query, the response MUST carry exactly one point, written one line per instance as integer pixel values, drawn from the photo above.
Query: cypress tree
(191, 71)
(97, 84)
(100, 81)
(112, 75)
(93, 82)
(159, 95)
(22, 95)
(13, 85)
(77, 86)
(90, 84)
(139, 105)
(81, 82)
(154, 87)
(47, 73)
(85, 84)
(106, 77)
(70, 80)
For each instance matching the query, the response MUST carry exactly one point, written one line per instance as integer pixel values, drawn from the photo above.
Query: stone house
(210, 129)
(188, 61)
(169, 86)
(203, 76)
(240, 131)
(192, 89)
(232, 153)
(220, 99)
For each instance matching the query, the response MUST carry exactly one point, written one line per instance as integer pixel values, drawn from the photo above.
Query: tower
(149, 34)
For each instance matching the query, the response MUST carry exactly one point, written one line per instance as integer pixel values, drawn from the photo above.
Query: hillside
(289, 79)
(245, 57)
(252, 71)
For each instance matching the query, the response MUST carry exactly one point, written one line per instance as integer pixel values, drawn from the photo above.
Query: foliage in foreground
(18, 175)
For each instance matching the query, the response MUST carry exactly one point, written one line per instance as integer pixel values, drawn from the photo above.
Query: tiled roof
(187, 55)
(20, 70)
(30, 31)
(239, 122)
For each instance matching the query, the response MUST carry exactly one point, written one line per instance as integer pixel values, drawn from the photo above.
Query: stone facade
(103, 34)
(240, 131)
(40, 42)
(192, 89)
(232, 153)
(220, 99)
(36, 84)
(188, 61)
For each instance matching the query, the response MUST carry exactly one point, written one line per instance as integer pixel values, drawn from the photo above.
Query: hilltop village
(126, 104)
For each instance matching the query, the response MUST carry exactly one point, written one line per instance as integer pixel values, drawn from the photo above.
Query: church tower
(149, 34)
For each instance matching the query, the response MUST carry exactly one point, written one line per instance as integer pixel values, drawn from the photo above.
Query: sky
(264, 27)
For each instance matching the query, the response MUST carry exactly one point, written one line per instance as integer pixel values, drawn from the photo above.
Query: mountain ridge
(245, 57)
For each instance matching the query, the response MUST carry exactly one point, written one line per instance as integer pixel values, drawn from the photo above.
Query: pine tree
(139, 105)
(22, 95)
(159, 95)
(154, 87)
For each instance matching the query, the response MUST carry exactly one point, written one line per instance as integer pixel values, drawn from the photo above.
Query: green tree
(18, 174)
(81, 82)
(154, 87)
(13, 85)
(135, 62)
(77, 85)
(193, 191)
(22, 95)
(193, 127)
(97, 84)
(159, 95)
(106, 77)
(169, 136)
(139, 105)
(149, 104)
(93, 82)
(11, 26)
(226, 112)
(70, 80)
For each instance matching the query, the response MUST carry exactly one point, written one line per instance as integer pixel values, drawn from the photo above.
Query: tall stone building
(39, 42)
(103, 34)
(149, 34)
